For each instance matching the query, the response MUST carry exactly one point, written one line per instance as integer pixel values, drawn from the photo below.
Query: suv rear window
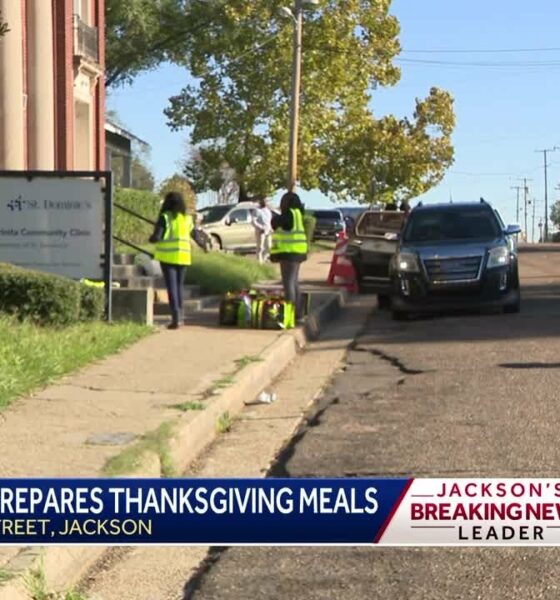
(457, 224)
(380, 223)
(328, 215)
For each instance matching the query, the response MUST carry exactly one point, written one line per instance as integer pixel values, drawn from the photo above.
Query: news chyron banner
(229, 512)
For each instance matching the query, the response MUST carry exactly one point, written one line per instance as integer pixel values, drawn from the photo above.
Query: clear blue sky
(504, 113)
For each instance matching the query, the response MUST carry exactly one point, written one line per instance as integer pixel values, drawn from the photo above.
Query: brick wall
(64, 84)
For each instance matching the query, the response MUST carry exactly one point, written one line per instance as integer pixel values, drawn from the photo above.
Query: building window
(83, 136)
(82, 10)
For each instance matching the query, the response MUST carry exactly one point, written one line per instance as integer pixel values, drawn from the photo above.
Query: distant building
(118, 144)
(52, 97)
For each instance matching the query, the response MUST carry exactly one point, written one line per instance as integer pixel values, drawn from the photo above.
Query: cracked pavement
(464, 395)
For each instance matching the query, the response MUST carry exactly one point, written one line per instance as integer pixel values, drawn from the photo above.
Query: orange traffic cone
(342, 271)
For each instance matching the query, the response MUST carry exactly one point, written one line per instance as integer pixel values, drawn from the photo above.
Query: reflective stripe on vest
(290, 242)
(175, 247)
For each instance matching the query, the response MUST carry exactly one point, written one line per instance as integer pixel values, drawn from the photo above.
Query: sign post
(59, 222)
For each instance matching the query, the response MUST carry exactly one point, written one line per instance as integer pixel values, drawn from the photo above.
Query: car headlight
(498, 257)
(407, 262)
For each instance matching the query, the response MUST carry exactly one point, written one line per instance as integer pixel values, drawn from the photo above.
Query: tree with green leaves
(390, 159)
(237, 110)
(554, 214)
(179, 183)
(207, 172)
(141, 175)
(142, 34)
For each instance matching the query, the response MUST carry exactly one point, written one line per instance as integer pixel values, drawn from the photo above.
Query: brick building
(52, 96)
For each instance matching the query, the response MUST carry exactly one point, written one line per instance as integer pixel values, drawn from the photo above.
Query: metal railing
(86, 40)
(141, 218)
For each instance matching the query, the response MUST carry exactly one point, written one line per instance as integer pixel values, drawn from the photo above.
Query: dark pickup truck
(371, 248)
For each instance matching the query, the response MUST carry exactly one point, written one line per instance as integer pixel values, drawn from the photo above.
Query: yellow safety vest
(175, 247)
(290, 242)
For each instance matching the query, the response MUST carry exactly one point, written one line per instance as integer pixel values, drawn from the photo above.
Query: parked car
(229, 226)
(370, 249)
(454, 256)
(329, 224)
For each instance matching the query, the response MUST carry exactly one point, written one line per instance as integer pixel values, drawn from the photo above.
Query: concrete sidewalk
(72, 428)
(60, 430)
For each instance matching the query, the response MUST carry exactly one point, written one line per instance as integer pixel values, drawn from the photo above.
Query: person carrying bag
(172, 237)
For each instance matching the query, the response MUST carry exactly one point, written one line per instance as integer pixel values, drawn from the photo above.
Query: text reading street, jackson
(191, 511)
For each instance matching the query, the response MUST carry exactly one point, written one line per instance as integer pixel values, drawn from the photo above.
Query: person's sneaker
(173, 326)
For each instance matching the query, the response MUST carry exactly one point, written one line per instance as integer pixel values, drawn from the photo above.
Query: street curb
(63, 565)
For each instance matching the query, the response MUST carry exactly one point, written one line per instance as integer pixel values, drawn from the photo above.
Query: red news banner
(476, 512)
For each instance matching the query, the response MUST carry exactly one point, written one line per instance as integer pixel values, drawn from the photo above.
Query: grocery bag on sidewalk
(236, 309)
(277, 313)
(229, 307)
(246, 309)
(257, 310)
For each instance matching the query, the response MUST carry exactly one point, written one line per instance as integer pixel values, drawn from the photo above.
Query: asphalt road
(455, 395)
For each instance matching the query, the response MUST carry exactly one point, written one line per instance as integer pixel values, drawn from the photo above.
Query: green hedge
(92, 303)
(129, 227)
(47, 299)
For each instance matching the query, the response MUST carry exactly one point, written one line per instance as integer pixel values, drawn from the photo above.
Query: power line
(480, 174)
(480, 51)
(421, 61)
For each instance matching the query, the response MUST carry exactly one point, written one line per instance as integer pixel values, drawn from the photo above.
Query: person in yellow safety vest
(289, 247)
(172, 237)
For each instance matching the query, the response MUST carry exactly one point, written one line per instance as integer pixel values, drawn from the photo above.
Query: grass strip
(187, 406)
(218, 273)
(130, 459)
(33, 356)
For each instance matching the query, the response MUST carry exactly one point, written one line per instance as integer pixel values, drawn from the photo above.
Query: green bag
(229, 309)
(276, 313)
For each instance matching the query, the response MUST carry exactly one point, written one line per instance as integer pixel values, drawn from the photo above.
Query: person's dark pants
(174, 276)
(290, 281)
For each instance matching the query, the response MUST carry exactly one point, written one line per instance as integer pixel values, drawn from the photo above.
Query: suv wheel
(362, 287)
(383, 301)
(399, 315)
(513, 308)
(215, 243)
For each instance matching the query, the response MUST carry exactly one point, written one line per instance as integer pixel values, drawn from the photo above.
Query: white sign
(53, 225)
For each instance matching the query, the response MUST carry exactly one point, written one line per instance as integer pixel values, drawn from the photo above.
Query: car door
(241, 231)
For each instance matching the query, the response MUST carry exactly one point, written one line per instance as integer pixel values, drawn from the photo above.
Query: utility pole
(296, 86)
(296, 14)
(545, 152)
(525, 193)
(517, 188)
(533, 224)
